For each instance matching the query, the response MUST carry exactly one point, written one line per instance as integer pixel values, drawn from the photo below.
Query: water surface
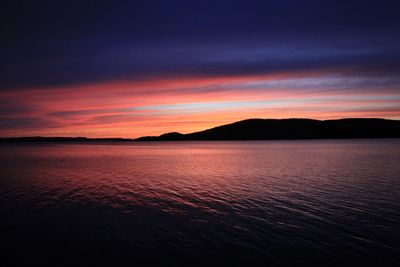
(201, 203)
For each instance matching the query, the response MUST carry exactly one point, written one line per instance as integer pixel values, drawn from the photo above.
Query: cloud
(101, 68)
(62, 44)
(131, 109)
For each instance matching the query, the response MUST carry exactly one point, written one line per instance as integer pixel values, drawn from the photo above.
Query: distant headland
(262, 129)
(39, 139)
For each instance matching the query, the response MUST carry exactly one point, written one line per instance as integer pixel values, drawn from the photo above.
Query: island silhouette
(272, 129)
(261, 129)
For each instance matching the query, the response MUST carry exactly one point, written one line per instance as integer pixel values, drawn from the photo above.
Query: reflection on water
(186, 203)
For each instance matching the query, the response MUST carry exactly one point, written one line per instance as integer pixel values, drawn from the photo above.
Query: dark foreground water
(201, 203)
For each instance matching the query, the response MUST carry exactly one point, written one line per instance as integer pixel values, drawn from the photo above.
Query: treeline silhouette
(270, 129)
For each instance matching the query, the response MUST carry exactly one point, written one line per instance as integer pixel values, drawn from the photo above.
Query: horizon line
(135, 138)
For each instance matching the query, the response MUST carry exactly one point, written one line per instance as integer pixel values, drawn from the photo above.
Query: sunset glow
(140, 76)
(186, 104)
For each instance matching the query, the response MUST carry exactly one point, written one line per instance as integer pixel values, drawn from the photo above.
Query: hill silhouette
(260, 129)
(270, 129)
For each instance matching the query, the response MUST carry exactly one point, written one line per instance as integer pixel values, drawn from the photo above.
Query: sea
(206, 203)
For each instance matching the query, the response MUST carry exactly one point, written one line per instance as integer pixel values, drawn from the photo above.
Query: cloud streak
(105, 69)
(189, 104)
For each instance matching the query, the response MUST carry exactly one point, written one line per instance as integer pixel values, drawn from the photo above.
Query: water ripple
(283, 203)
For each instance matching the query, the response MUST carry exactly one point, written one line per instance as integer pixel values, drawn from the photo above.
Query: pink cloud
(152, 107)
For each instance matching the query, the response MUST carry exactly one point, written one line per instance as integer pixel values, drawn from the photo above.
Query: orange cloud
(187, 104)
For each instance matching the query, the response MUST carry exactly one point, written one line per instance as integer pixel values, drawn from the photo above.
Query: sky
(136, 68)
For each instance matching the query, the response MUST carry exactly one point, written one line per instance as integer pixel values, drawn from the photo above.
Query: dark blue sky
(67, 42)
